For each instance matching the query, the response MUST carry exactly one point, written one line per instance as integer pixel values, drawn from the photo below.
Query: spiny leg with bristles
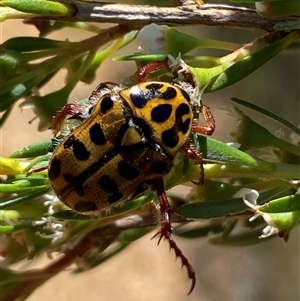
(166, 229)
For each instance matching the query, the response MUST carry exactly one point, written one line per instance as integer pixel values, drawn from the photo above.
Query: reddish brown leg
(100, 87)
(59, 118)
(166, 229)
(204, 129)
(75, 110)
(143, 72)
(195, 156)
(209, 127)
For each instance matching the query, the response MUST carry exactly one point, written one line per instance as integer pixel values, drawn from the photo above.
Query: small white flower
(54, 226)
(279, 133)
(295, 138)
(151, 39)
(250, 197)
(52, 202)
(177, 64)
(268, 231)
(40, 222)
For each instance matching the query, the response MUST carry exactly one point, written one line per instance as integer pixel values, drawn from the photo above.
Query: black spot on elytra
(182, 110)
(159, 167)
(154, 87)
(170, 93)
(54, 169)
(140, 97)
(184, 126)
(106, 104)
(107, 184)
(67, 177)
(79, 149)
(127, 171)
(170, 137)
(115, 197)
(94, 167)
(85, 206)
(161, 113)
(96, 134)
(79, 190)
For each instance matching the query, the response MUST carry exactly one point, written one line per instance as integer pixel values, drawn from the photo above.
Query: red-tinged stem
(31, 280)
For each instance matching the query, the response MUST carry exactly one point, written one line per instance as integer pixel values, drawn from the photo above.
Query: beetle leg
(166, 230)
(190, 151)
(143, 72)
(76, 111)
(209, 127)
(98, 91)
(203, 129)
(59, 118)
(104, 85)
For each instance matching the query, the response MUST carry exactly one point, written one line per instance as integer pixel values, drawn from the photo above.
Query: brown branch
(98, 239)
(138, 16)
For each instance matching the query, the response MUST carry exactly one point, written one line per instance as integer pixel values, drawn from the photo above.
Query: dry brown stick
(140, 15)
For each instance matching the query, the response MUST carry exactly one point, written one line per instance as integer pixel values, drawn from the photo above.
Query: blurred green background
(267, 271)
